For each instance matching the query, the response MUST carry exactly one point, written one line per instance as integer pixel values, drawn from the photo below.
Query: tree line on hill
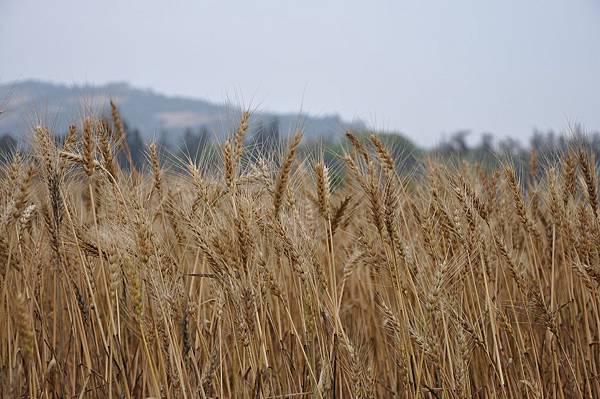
(265, 141)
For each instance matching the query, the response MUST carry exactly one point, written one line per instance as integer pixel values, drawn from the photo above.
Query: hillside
(25, 102)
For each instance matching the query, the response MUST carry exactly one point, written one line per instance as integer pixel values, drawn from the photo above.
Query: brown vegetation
(270, 281)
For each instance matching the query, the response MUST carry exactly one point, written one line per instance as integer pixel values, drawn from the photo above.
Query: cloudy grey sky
(422, 67)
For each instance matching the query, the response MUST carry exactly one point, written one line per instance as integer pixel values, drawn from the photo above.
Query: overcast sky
(425, 68)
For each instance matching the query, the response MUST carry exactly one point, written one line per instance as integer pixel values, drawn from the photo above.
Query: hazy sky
(422, 67)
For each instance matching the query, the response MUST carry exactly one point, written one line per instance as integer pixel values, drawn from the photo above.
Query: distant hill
(23, 103)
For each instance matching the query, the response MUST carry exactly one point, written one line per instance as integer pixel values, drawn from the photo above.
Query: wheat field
(270, 279)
